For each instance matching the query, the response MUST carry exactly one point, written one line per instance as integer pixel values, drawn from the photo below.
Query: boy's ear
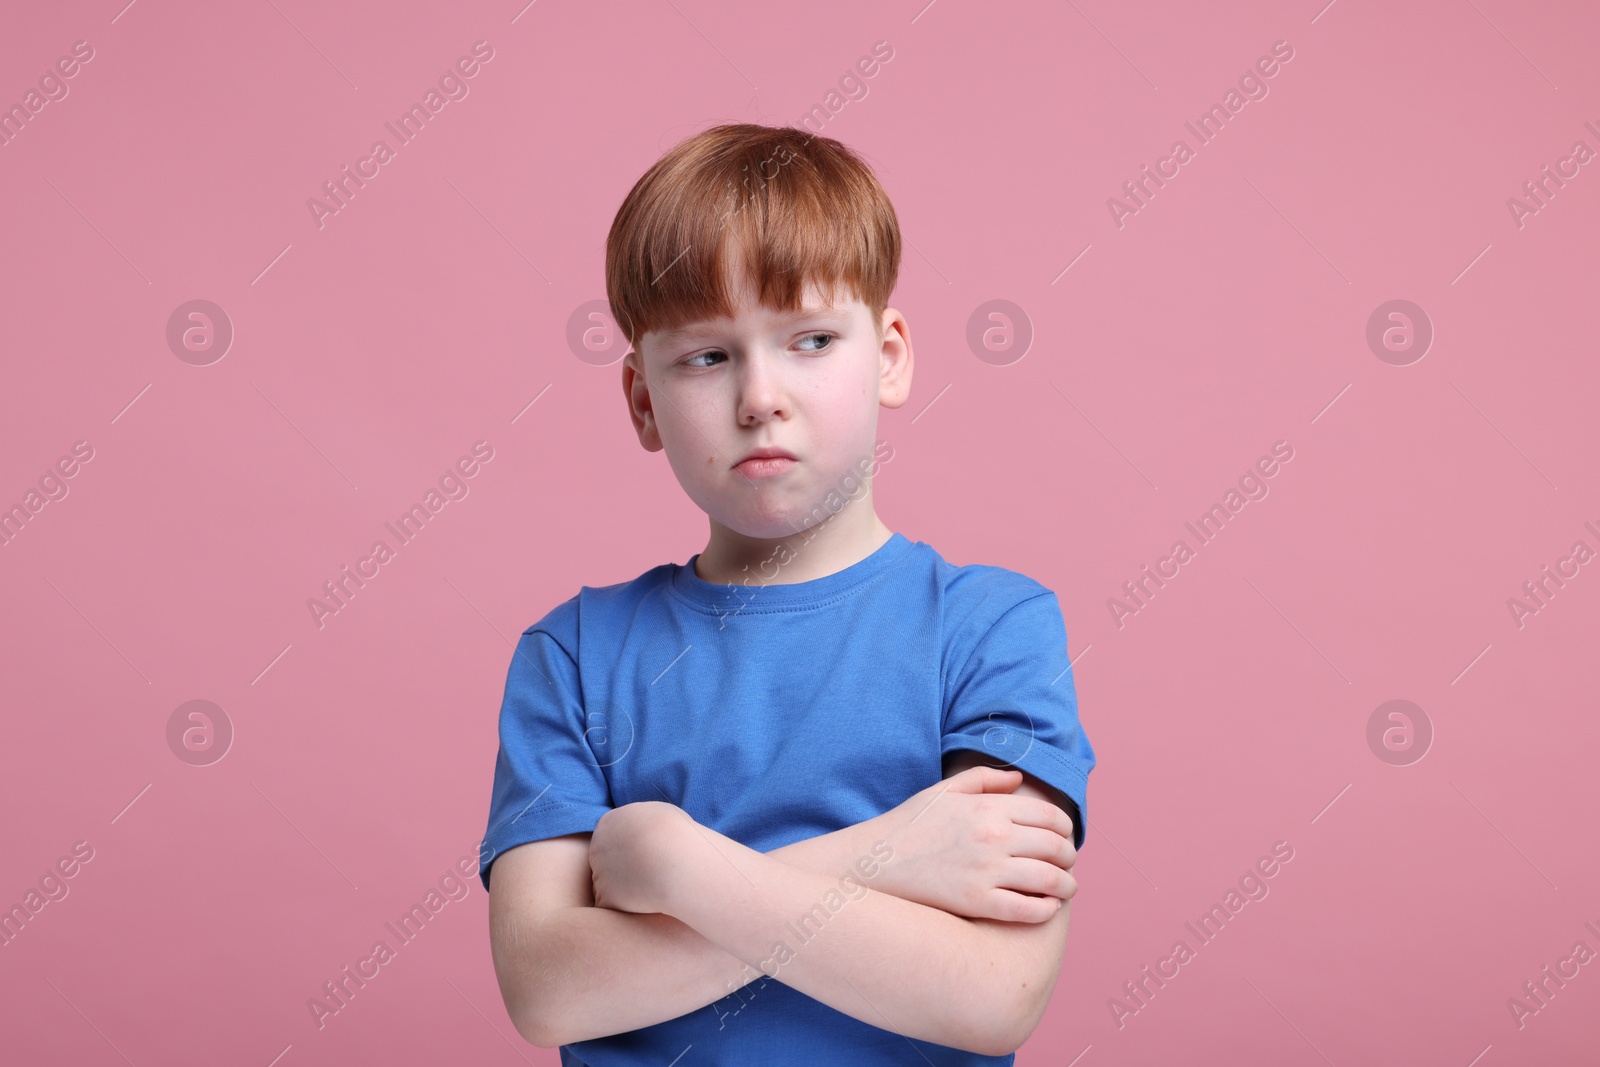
(894, 381)
(640, 408)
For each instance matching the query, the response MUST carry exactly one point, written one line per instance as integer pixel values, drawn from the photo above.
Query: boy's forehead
(759, 315)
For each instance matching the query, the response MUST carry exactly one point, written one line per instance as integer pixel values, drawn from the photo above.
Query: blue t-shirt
(773, 714)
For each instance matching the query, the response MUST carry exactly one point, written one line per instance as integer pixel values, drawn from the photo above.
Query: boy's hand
(632, 850)
(969, 847)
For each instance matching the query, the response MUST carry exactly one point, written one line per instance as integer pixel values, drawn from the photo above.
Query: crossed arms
(690, 916)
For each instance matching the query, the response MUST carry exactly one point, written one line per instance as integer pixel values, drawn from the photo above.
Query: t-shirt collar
(756, 594)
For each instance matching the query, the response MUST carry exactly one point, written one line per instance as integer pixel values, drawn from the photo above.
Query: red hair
(796, 208)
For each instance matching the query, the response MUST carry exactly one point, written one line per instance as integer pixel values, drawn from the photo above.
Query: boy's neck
(844, 539)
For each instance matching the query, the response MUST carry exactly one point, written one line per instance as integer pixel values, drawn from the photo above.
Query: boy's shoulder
(561, 621)
(978, 601)
(986, 580)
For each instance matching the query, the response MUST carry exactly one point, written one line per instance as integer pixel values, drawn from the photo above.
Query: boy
(813, 797)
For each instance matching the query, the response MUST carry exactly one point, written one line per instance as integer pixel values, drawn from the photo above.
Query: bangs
(788, 208)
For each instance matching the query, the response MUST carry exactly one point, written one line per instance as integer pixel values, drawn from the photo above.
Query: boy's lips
(768, 452)
(765, 462)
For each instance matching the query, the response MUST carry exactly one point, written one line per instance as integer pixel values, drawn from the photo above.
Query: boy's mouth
(766, 462)
(767, 452)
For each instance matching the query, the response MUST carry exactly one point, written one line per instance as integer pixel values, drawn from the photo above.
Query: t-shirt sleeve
(547, 780)
(1014, 700)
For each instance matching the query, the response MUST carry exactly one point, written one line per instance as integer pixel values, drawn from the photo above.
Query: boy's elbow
(1004, 1016)
(1020, 995)
(538, 1037)
(525, 988)
(1030, 1015)
(993, 1044)
(1005, 1030)
(536, 1024)
(529, 1022)
(538, 1016)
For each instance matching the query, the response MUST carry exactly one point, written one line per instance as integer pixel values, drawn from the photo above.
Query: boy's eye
(824, 341)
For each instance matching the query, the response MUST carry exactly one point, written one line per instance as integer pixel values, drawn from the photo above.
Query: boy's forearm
(892, 963)
(615, 971)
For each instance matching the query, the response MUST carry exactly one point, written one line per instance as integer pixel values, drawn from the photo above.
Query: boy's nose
(761, 393)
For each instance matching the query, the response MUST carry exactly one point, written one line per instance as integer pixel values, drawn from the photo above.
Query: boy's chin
(764, 531)
(768, 526)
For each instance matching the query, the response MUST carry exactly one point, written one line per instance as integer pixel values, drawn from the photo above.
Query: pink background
(1229, 313)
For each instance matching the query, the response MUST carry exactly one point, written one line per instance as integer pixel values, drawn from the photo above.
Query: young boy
(813, 797)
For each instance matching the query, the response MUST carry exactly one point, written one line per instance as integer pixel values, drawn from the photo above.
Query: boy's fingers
(983, 779)
(1046, 845)
(1001, 780)
(1048, 816)
(1020, 907)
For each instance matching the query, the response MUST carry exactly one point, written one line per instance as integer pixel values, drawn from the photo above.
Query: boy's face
(808, 382)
